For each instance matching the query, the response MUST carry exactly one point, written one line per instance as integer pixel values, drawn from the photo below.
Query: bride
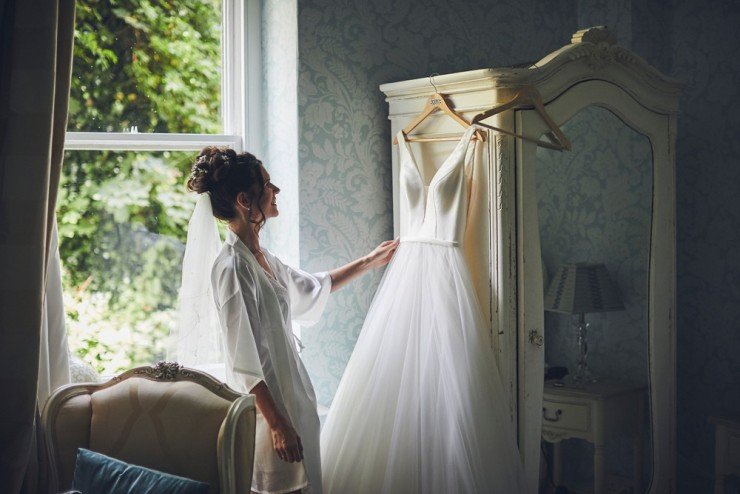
(256, 297)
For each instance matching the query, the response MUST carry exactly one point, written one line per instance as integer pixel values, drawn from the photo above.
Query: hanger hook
(431, 81)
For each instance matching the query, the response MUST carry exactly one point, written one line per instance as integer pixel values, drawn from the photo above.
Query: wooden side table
(726, 450)
(595, 412)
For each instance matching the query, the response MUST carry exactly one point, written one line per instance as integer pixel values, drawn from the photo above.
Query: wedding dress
(421, 407)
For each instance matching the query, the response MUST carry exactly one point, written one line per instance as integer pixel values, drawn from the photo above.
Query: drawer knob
(558, 413)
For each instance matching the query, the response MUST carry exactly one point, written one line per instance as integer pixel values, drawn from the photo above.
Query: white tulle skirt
(421, 407)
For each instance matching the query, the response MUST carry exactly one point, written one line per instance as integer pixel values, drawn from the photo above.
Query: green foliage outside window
(122, 216)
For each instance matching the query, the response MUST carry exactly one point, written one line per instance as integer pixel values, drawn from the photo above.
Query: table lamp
(580, 288)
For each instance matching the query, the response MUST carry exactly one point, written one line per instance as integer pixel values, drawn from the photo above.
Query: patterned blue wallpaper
(347, 48)
(704, 47)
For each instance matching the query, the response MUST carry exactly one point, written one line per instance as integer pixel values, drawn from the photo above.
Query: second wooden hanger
(437, 102)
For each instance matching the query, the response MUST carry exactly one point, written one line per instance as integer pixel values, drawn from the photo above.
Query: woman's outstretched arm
(380, 256)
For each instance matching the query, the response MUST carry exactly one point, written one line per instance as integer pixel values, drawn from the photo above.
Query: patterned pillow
(96, 473)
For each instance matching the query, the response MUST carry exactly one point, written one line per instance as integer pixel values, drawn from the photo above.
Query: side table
(595, 412)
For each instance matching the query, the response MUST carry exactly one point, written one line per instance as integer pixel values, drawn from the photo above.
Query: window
(153, 81)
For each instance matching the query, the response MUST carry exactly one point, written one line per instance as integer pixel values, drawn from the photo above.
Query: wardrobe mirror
(594, 206)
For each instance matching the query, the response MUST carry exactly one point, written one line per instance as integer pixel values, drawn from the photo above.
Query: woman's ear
(243, 201)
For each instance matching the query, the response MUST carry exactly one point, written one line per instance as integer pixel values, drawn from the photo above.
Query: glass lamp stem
(583, 373)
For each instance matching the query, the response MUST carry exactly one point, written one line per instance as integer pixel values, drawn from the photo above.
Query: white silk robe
(255, 313)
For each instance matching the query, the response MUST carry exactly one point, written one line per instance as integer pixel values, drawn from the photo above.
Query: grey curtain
(36, 39)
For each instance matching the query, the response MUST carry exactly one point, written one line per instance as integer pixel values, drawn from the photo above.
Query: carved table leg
(638, 444)
(599, 468)
(719, 484)
(637, 448)
(557, 463)
(720, 451)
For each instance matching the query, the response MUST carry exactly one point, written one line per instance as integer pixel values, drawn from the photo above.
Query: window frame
(240, 95)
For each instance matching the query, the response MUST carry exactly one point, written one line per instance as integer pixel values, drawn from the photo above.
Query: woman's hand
(382, 254)
(286, 442)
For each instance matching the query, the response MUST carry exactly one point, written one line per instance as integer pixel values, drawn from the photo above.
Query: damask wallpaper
(704, 47)
(347, 48)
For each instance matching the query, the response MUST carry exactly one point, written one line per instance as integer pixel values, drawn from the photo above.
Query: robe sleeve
(238, 315)
(308, 294)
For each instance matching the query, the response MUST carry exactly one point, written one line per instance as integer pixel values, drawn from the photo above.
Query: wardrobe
(610, 199)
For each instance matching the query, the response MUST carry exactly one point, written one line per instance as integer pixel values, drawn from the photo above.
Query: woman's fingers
(284, 454)
(291, 453)
(297, 449)
(387, 249)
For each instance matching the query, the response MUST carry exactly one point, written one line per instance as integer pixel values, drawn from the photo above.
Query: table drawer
(564, 415)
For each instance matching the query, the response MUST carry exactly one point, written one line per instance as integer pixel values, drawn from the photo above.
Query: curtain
(35, 69)
(53, 348)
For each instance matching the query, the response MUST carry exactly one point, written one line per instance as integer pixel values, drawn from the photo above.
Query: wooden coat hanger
(525, 97)
(437, 101)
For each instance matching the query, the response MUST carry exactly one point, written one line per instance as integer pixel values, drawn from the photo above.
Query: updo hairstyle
(223, 174)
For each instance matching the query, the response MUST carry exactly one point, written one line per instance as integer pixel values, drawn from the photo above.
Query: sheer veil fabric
(198, 335)
(421, 407)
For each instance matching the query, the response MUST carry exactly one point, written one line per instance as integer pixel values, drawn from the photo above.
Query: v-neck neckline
(272, 277)
(250, 255)
(438, 173)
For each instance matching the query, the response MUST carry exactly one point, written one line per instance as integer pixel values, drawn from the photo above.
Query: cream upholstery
(168, 418)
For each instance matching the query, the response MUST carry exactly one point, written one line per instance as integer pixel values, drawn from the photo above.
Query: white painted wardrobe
(502, 242)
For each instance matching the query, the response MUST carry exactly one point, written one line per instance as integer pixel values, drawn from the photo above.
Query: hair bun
(210, 167)
(224, 174)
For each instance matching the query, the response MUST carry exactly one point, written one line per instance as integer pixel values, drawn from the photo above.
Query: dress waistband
(430, 240)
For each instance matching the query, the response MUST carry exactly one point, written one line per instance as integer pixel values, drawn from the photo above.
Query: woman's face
(268, 202)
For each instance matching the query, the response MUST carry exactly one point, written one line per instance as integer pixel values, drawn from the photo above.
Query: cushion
(97, 473)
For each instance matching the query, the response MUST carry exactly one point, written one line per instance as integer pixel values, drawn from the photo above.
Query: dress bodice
(435, 213)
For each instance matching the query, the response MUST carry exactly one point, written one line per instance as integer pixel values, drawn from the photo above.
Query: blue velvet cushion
(96, 473)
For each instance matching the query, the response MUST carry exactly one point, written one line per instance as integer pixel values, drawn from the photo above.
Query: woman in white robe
(257, 298)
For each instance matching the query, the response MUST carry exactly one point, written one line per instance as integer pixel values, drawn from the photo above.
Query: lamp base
(583, 375)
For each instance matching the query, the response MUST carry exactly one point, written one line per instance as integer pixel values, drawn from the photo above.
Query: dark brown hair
(222, 174)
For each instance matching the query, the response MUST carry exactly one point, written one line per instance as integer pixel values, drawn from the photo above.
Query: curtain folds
(53, 348)
(36, 39)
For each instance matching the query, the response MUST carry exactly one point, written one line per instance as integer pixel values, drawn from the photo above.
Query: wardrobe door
(610, 200)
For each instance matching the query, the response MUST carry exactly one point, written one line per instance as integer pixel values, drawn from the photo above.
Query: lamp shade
(579, 288)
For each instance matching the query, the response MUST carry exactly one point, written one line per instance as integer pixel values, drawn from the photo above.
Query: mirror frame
(661, 270)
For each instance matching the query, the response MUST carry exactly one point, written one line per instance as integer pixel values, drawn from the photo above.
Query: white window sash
(124, 141)
(241, 93)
